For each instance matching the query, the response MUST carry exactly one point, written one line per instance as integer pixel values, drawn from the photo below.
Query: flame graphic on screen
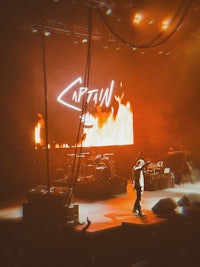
(101, 129)
(107, 128)
(39, 131)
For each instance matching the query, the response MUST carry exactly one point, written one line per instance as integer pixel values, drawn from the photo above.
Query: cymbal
(108, 154)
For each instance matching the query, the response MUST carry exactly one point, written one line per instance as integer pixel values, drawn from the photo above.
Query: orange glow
(39, 141)
(107, 129)
(101, 129)
(37, 133)
(61, 146)
(137, 18)
(165, 24)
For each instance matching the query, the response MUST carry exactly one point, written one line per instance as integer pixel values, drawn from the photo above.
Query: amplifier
(49, 206)
(44, 214)
(40, 195)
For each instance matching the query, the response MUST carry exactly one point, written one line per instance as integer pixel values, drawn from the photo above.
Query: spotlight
(47, 33)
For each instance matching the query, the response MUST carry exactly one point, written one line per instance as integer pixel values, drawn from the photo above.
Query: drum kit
(90, 164)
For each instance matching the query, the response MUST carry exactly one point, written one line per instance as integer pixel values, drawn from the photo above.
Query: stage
(108, 234)
(113, 211)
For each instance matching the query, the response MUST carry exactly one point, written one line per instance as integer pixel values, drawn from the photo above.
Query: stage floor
(111, 212)
(115, 211)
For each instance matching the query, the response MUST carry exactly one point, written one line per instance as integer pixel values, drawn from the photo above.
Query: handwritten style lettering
(97, 96)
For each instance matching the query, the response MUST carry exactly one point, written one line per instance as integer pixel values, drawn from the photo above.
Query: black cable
(152, 42)
(45, 100)
(76, 165)
(173, 19)
(176, 27)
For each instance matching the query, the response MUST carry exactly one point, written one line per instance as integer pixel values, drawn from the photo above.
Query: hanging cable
(77, 158)
(184, 5)
(45, 99)
(176, 27)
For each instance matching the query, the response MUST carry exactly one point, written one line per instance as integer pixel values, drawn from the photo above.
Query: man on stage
(138, 182)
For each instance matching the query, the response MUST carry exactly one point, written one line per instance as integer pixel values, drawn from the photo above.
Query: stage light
(47, 33)
(151, 22)
(137, 18)
(34, 30)
(165, 24)
(109, 11)
(84, 40)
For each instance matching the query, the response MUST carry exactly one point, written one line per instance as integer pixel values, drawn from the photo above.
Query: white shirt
(139, 164)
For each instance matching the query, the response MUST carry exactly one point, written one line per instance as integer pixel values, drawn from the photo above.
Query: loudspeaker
(38, 213)
(45, 206)
(50, 214)
(165, 205)
(191, 199)
(41, 196)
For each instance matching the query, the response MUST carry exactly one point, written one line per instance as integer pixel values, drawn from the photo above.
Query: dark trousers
(137, 204)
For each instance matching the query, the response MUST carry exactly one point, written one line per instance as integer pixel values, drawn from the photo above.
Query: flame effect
(37, 133)
(39, 139)
(100, 129)
(107, 129)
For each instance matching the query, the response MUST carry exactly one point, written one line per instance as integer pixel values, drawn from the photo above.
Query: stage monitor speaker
(48, 206)
(164, 206)
(44, 214)
(191, 199)
(40, 195)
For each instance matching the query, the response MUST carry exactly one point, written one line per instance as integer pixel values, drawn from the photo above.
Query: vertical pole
(45, 106)
(76, 167)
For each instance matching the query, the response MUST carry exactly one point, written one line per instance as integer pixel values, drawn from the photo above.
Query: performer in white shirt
(138, 182)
